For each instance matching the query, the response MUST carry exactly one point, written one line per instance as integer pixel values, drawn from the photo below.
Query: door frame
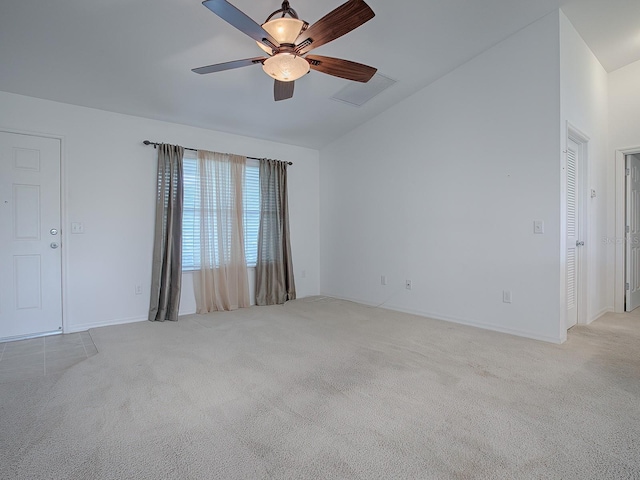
(619, 290)
(63, 212)
(582, 139)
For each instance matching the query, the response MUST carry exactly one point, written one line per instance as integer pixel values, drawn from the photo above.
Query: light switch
(77, 227)
(538, 227)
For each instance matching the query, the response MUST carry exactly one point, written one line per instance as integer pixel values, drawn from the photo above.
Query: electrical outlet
(506, 296)
(408, 285)
(138, 289)
(538, 227)
(77, 227)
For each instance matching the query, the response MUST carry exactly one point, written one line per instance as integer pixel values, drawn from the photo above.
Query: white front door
(30, 239)
(633, 233)
(573, 231)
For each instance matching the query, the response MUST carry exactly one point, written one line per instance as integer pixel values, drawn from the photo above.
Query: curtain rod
(155, 144)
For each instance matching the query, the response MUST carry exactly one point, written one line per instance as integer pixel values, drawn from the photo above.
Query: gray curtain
(166, 276)
(274, 268)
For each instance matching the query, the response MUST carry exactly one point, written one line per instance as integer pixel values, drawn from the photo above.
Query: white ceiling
(135, 57)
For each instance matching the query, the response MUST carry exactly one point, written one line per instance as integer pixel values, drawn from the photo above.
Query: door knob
(53, 231)
(54, 245)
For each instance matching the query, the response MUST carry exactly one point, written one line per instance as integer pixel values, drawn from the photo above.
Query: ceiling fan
(287, 40)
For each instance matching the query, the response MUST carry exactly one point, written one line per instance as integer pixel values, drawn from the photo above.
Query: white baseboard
(602, 312)
(461, 321)
(86, 326)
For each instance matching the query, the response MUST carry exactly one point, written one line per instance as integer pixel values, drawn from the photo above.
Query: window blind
(191, 212)
(251, 211)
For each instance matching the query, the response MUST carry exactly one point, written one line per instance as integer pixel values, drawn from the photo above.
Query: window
(191, 212)
(251, 211)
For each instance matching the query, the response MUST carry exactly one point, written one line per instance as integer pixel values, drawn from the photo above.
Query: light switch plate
(506, 296)
(538, 227)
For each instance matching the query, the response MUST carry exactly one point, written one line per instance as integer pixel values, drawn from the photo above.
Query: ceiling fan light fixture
(287, 41)
(286, 67)
(283, 30)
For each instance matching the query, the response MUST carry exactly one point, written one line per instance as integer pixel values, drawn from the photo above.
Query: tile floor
(37, 357)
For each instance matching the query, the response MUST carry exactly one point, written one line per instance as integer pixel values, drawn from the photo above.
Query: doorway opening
(627, 240)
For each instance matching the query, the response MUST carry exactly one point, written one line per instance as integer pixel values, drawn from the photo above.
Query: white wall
(109, 181)
(624, 134)
(443, 189)
(584, 104)
(624, 107)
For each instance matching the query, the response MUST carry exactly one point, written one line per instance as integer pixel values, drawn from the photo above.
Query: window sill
(189, 272)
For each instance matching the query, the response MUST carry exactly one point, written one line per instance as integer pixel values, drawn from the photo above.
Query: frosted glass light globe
(283, 30)
(286, 67)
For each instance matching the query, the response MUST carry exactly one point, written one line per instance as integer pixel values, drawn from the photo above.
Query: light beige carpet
(321, 388)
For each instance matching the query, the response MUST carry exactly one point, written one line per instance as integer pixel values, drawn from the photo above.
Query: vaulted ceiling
(135, 57)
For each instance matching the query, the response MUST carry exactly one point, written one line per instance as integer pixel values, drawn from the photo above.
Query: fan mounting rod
(285, 10)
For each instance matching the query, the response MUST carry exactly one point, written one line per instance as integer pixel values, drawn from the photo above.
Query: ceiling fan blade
(336, 23)
(219, 67)
(341, 68)
(282, 90)
(242, 22)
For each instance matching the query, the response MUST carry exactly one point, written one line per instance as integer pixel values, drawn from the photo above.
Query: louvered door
(573, 229)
